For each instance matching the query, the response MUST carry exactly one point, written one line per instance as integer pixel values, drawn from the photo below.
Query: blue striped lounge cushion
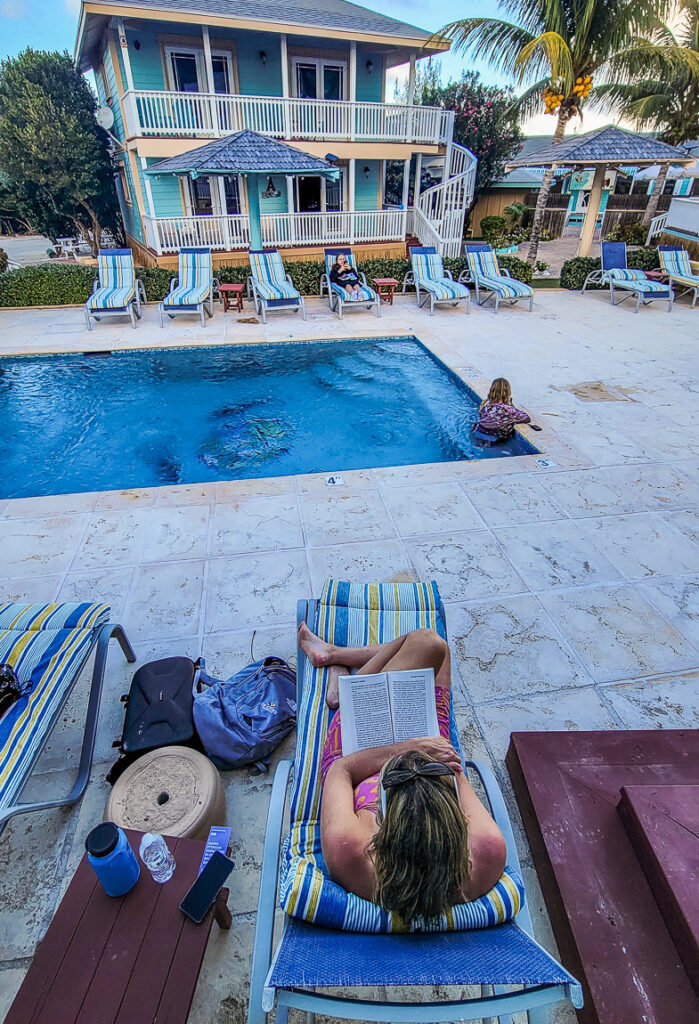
(117, 281)
(194, 278)
(354, 614)
(365, 293)
(270, 277)
(485, 269)
(636, 281)
(428, 268)
(676, 263)
(47, 646)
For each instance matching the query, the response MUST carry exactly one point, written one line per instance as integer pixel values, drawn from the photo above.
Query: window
(319, 79)
(187, 70)
(205, 196)
(125, 187)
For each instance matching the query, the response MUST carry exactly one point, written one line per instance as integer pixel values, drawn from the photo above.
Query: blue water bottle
(110, 854)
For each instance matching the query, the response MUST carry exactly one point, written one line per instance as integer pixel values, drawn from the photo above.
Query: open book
(387, 707)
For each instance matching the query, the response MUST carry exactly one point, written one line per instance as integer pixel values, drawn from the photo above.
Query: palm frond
(495, 41)
(556, 53)
(529, 102)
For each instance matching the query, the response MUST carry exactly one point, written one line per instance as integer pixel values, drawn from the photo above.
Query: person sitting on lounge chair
(433, 844)
(497, 415)
(345, 275)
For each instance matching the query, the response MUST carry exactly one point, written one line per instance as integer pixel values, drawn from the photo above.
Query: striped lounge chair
(48, 646)
(117, 291)
(193, 291)
(272, 287)
(615, 273)
(487, 276)
(675, 263)
(436, 283)
(337, 296)
(334, 939)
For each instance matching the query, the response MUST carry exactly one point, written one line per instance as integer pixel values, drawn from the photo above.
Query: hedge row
(55, 284)
(574, 272)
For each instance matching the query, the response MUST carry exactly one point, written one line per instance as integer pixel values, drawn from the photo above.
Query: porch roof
(245, 152)
(609, 145)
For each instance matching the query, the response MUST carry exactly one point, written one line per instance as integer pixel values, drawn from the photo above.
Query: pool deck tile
(570, 578)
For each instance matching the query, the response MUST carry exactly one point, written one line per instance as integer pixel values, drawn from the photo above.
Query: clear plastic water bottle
(155, 854)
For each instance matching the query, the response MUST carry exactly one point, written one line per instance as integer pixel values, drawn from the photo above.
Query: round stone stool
(175, 791)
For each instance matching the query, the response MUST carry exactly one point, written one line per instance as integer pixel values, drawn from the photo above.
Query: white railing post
(211, 89)
(133, 127)
(285, 86)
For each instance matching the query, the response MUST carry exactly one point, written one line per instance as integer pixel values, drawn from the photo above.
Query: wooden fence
(621, 209)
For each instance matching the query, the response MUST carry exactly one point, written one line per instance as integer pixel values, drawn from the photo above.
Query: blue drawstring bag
(241, 720)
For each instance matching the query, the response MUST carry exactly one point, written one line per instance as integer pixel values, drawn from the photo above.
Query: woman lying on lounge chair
(345, 275)
(434, 844)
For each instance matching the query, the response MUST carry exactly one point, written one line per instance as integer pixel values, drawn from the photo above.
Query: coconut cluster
(582, 86)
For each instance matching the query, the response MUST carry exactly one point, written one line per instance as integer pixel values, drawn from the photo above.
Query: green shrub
(4, 261)
(633, 233)
(574, 272)
(59, 284)
(493, 226)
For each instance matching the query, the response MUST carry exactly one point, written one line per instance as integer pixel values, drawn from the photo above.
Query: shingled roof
(245, 152)
(608, 145)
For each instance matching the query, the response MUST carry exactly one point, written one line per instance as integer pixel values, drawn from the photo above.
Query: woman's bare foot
(319, 653)
(332, 693)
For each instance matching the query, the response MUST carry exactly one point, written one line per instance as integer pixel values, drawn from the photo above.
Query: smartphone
(205, 889)
(534, 426)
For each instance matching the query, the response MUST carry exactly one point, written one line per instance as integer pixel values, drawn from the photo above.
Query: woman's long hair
(500, 392)
(420, 851)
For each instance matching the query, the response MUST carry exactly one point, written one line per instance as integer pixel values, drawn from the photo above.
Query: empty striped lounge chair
(193, 290)
(272, 287)
(334, 939)
(436, 283)
(487, 276)
(337, 295)
(117, 291)
(675, 262)
(48, 645)
(615, 273)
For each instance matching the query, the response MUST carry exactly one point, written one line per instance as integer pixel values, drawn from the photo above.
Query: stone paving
(570, 583)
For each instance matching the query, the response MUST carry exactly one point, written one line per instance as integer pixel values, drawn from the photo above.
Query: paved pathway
(570, 588)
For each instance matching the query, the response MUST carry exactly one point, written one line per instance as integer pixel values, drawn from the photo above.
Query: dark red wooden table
(236, 290)
(130, 960)
(385, 286)
(610, 930)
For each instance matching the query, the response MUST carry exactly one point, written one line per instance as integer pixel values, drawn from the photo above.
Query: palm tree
(564, 45)
(666, 101)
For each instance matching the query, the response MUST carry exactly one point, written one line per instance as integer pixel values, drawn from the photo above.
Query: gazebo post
(254, 211)
(593, 205)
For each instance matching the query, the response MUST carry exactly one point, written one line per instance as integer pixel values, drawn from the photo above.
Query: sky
(52, 24)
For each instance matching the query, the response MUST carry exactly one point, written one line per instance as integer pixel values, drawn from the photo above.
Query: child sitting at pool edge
(497, 415)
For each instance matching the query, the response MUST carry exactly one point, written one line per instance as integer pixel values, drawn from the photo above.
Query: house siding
(167, 195)
(366, 190)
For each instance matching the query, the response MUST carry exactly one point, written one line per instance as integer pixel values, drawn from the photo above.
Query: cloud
(73, 6)
(12, 9)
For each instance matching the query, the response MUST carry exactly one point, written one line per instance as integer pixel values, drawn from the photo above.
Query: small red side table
(230, 292)
(385, 286)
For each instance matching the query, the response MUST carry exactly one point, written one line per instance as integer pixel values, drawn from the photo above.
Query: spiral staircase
(438, 214)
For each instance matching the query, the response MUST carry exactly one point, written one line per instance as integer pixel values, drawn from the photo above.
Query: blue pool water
(168, 416)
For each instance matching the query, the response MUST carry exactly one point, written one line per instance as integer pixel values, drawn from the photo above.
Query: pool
(149, 417)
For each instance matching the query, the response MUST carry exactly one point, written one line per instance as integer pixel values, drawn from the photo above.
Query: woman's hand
(437, 748)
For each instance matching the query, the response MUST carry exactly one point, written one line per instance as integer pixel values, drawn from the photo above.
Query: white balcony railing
(683, 215)
(168, 234)
(158, 113)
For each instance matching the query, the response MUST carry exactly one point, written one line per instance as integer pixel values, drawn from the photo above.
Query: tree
(564, 45)
(667, 101)
(51, 147)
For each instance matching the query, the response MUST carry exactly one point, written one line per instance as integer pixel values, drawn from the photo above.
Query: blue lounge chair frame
(203, 305)
(101, 636)
(495, 1000)
(411, 277)
(481, 285)
(681, 279)
(614, 258)
(336, 299)
(132, 308)
(263, 304)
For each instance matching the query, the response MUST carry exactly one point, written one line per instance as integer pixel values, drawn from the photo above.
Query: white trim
(199, 55)
(148, 188)
(123, 43)
(320, 65)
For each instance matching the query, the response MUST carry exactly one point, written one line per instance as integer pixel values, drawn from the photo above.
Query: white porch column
(352, 86)
(224, 210)
(129, 100)
(593, 205)
(209, 65)
(406, 183)
(290, 206)
(154, 240)
(285, 85)
(411, 98)
(350, 197)
(124, 52)
(418, 175)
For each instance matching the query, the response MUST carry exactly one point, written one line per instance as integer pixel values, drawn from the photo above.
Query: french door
(319, 79)
(187, 70)
(205, 199)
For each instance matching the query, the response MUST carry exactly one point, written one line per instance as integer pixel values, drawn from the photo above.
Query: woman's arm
(364, 763)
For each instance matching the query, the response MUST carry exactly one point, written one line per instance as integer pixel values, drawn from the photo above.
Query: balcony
(279, 230)
(161, 114)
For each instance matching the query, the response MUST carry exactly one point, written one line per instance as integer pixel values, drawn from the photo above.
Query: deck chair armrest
(448, 273)
(173, 285)
(215, 285)
(362, 278)
(497, 808)
(288, 278)
(505, 272)
(324, 283)
(464, 276)
(95, 285)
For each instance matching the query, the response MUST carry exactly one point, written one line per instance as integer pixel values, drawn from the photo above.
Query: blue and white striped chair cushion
(428, 269)
(677, 265)
(270, 276)
(195, 276)
(485, 269)
(117, 281)
(46, 645)
(355, 614)
(365, 293)
(635, 281)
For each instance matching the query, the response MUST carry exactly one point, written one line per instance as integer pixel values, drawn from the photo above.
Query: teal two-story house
(172, 75)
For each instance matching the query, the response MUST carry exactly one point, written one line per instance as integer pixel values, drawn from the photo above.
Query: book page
(366, 715)
(413, 704)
